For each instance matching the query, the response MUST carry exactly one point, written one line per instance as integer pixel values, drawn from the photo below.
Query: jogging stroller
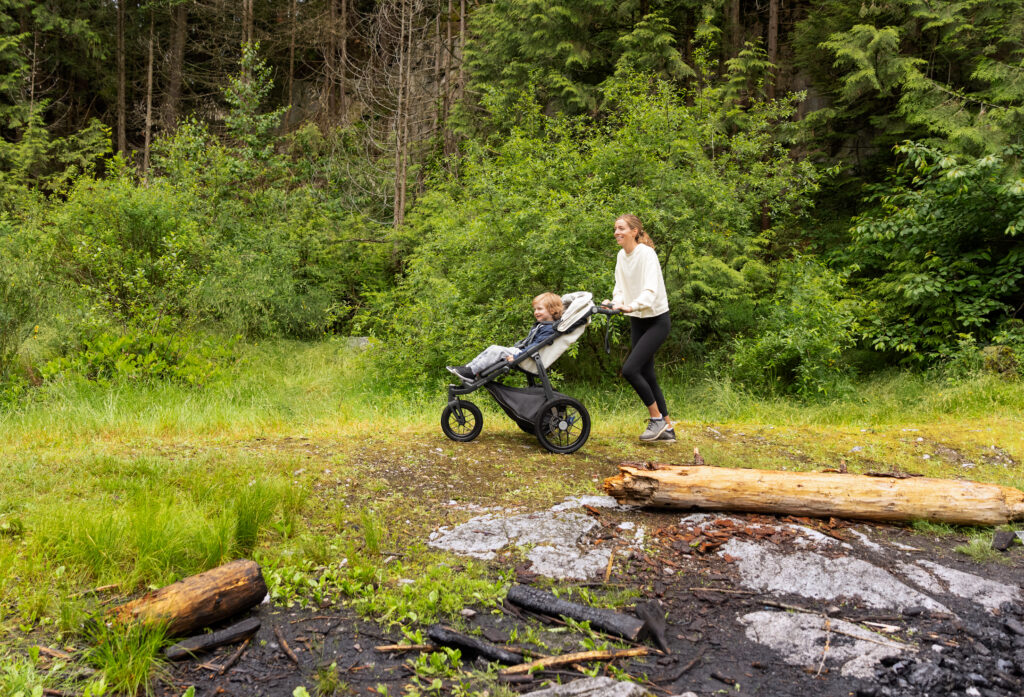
(561, 423)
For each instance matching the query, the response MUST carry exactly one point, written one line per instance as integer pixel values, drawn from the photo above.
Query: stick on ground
(569, 658)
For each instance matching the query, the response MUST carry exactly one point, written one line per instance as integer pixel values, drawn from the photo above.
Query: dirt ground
(979, 652)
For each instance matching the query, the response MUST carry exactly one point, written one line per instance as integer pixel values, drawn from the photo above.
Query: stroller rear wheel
(563, 425)
(463, 423)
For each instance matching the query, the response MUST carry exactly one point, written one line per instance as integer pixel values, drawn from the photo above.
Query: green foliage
(566, 51)
(131, 251)
(798, 343)
(140, 354)
(245, 94)
(950, 72)
(534, 214)
(940, 258)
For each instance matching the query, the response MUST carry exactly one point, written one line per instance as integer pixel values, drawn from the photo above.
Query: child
(547, 310)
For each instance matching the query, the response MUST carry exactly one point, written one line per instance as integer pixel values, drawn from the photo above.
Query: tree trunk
(199, 601)
(176, 67)
(821, 494)
(343, 63)
(330, 53)
(122, 82)
(398, 209)
(248, 21)
(149, 95)
(773, 43)
(735, 28)
(294, 17)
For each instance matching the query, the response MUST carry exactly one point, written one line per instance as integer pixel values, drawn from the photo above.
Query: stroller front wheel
(463, 423)
(563, 425)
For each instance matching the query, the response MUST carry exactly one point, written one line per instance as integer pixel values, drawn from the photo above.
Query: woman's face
(623, 235)
(541, 314)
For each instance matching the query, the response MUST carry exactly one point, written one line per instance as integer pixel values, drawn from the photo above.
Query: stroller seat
(560, 422)
(574, 321)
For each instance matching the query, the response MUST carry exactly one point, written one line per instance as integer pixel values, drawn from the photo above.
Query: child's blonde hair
(552, 303)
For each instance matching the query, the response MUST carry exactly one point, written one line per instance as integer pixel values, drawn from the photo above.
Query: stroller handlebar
(605, 310)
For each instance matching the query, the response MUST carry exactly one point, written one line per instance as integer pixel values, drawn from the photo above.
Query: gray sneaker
(655, 427)
(667, 436)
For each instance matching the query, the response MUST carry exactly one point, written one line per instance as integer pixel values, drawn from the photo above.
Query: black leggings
(646, 335)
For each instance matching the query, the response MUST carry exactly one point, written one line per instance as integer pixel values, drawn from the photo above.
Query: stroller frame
(560, 422)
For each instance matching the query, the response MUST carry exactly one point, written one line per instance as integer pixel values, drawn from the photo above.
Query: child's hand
(509, 358)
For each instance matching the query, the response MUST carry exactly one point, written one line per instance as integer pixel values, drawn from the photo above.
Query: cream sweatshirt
(639, 283)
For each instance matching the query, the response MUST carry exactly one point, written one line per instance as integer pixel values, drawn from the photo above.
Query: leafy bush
(798, 343)
(139, 354)
(131, 251)
(940, 258)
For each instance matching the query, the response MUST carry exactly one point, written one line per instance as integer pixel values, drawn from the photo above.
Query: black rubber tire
(562, 425)
(473, 422)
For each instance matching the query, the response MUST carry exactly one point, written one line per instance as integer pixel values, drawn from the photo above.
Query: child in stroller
(547, 309)
(560, 423)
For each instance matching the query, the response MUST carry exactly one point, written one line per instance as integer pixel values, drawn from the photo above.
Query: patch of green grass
(933, 528)
(979, 548)
(129, 656)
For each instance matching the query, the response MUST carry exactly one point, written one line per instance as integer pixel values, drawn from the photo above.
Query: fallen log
(470, 646)
(569, 658)
(205, 642)
(198, 601)
(819, 494)
(605, 620)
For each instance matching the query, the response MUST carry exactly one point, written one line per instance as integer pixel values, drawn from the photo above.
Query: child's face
(541, 314)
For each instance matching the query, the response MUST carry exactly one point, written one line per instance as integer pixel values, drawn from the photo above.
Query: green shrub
(798, 342)
(132, 251)
(940, 258)
(138, 354)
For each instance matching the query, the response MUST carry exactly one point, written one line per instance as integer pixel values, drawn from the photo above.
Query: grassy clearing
(333, 483)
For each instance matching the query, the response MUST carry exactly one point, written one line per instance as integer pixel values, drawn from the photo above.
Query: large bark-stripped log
(604, 620)
(201, 600)
(821, 494)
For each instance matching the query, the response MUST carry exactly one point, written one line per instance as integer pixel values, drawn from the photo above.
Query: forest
(834, 187)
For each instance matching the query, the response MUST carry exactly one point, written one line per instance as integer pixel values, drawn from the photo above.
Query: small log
(472, 646)
(618, 623)
(199, 601)
(819, 494)
(569, 658)
(205, 642)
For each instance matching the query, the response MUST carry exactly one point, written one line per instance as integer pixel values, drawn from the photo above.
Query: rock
(1014, 626)
(592, 687)
(1002, 539)
(926, 676)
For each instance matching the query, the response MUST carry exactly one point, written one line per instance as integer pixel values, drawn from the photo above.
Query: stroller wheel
(463, 423)
(563, 425)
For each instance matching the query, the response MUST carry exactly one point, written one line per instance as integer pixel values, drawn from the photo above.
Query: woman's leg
(646, 336)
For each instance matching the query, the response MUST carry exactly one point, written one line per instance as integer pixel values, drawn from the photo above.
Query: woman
(640, 293)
